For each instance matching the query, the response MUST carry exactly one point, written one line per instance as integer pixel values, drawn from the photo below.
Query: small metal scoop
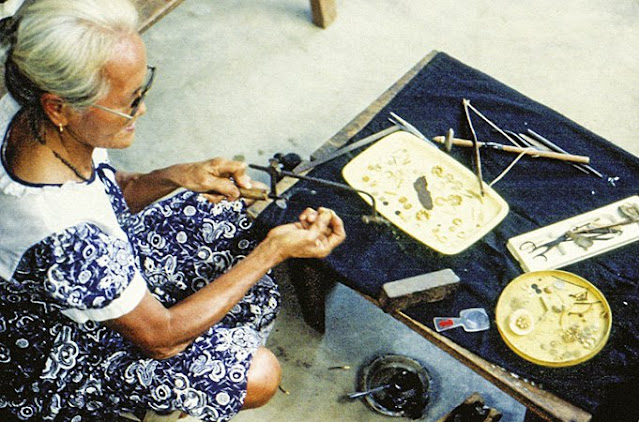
(359, 394)
(472, 319)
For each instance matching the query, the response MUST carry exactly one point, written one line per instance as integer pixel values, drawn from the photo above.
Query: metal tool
(629, 211)
(403, 124)
(525, 141)
(557, 148)
(531, 247)
(276, 173)
(472, 320)
(363, 142)
(359, 394)
(475, 143)
(578, 236)
(399, 124)
(586, 234)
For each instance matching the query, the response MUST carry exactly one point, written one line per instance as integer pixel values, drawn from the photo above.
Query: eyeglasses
(135, 105)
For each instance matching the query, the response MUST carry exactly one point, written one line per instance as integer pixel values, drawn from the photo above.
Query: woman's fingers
(338, 232)
(308, 217)
(232, 169)
(218, 179)
(224, 188)
(315, 235)
(213, 198)
(329, 229)
(215, 177)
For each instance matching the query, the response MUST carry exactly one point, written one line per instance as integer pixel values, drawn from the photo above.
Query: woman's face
(126, 74)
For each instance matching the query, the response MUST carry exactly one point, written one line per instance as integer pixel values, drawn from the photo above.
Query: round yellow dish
(553, 318)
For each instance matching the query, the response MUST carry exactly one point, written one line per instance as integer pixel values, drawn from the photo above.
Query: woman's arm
(163, 332)
(215, 175)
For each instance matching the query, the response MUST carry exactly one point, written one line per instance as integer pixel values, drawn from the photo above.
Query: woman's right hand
(315, 235)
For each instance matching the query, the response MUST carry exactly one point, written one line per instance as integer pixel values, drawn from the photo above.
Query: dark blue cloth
(538, 191)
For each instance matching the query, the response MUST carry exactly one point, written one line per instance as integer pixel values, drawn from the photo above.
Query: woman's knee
(264, 378)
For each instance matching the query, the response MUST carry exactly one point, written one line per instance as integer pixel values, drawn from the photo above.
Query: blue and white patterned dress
(72, 256)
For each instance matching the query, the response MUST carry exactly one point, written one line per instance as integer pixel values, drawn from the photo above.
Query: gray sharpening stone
(430, 287)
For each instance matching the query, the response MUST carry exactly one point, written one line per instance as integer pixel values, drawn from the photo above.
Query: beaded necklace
(63, 160)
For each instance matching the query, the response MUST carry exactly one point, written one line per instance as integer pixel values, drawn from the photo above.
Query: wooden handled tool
(517, 150)
(254, 193)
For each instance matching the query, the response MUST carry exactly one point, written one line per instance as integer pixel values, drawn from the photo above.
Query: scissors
(586, 234)
(530, 246)
(578, 236)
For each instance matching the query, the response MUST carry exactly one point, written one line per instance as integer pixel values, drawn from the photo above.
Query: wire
(507, 169)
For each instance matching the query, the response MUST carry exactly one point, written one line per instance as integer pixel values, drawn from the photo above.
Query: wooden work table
(370, 256)
(543, 403)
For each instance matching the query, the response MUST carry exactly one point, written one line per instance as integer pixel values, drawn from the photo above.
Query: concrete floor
(250, 79)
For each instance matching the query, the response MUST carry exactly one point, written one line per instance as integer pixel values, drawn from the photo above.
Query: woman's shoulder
(30, 214)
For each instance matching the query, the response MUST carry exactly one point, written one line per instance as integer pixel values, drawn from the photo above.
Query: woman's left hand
(315, 235)
(217, 178)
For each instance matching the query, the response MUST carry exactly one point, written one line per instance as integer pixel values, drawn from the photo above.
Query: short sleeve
(91, 275)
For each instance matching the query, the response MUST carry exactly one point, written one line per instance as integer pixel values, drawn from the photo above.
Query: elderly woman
(114, 295)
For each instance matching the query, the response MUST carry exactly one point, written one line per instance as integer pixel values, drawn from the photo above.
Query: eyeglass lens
(135, 105)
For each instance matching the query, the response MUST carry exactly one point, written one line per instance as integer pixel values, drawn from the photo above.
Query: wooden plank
(150, 12)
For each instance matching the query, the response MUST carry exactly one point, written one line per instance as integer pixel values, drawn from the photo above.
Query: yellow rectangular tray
(425, 192)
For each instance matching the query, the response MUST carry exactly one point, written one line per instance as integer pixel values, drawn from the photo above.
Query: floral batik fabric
(73, 256)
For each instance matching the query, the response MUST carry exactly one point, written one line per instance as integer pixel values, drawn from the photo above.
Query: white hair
(62, 46)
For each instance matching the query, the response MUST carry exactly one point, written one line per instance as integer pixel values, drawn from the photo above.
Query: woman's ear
(55, 108)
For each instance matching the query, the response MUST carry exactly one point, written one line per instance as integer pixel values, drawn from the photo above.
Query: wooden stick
(517, 150)
(254, 193)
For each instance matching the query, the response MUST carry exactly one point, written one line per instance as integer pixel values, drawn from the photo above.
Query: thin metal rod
(557, 148)
(348, 148)
(466, 104)
(493, 125)
(409, 128)
(359, 394)
(336, 185)
(276, 173)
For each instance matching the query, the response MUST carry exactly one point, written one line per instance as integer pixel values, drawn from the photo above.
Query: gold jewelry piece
(61, 127)
(521, 322)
